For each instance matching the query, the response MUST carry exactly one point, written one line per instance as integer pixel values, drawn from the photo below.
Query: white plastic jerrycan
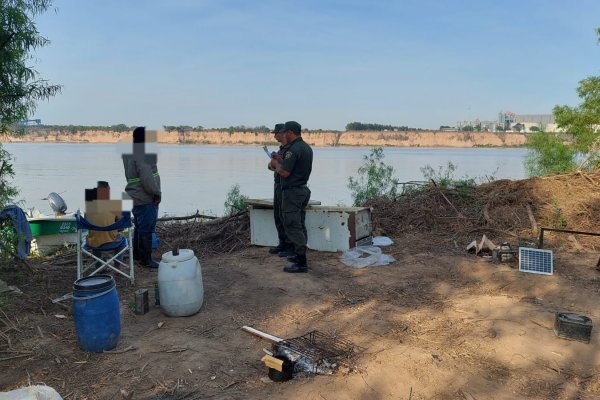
(180, 283)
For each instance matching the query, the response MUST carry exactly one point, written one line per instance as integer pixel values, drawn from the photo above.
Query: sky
(323, 63)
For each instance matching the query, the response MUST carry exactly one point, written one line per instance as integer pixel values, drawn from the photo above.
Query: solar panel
(535, 261)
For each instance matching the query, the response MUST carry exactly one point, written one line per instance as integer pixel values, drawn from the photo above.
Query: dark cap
(139, 134)
(292, 126)
(277, 128)
(102, 184)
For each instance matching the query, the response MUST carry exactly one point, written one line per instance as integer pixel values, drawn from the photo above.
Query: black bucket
(285, 374)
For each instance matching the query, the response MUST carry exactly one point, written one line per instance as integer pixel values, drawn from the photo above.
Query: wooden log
(531, 218)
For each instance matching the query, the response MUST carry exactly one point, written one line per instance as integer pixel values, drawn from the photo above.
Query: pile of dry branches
(218, 236)
(504, 207)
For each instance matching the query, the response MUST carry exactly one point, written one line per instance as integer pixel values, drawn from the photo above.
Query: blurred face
(103, 193)
(289, 136)
(280, 137)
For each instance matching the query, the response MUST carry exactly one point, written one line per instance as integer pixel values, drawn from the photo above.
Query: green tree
(20, 85)
(549, 154)
(375, 179)
(583, 121)
(581, 150)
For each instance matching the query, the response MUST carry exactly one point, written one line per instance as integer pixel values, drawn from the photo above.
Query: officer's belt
(294, 187)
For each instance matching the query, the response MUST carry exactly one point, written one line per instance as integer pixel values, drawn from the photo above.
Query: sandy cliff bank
(398, 139)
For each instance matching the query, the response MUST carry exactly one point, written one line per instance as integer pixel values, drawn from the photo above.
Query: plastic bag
(38, 392)
(364, 256)
(382, 241)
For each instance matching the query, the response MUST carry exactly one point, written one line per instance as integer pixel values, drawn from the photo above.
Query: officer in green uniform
(284, 248)
(294, 170)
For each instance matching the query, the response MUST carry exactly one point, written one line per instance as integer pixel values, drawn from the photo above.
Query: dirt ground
(437, 324)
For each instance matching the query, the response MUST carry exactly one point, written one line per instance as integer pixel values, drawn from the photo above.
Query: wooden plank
(273, 362)
(263, 335)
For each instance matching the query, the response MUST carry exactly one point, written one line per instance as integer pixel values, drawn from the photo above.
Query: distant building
(543, 122)
(509, 121)
(506, 119)
(477, 125)
(29, 122)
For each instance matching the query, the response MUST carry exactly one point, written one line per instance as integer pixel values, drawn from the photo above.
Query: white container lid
(184, 255)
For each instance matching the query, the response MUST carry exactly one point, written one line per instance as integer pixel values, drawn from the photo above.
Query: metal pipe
(541, 245)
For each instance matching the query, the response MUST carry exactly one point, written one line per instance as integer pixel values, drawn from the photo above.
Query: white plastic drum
(180, 283)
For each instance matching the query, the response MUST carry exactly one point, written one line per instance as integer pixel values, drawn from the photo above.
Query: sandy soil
(435, 325)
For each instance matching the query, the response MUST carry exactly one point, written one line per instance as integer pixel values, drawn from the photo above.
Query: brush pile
(504, 208)
(219, 236)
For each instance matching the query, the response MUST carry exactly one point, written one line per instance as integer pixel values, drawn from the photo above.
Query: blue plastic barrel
(96, 313)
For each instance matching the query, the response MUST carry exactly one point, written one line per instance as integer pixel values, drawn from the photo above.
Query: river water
(198, 177)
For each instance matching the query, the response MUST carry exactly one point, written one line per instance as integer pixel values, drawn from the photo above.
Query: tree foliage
(20, 85)
(183, 128)
(551, 152)
(361, 126)
(583, 121)
(7, 172)
(375, 179)
(235, 201)
(247, 129)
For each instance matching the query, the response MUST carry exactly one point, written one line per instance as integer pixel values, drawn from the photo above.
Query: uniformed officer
(294, 170)
(285, 247)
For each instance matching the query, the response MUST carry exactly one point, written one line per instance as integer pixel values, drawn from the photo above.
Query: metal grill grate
(318, 347)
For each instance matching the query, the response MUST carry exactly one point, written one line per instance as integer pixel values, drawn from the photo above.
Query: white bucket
(180, 283)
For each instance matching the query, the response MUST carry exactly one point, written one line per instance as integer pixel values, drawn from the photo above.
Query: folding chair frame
(108, 264)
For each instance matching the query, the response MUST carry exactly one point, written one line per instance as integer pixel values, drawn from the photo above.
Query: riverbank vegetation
(374, 179)
(21, 86)
(235, 201)
(579, 150)
(361, 126)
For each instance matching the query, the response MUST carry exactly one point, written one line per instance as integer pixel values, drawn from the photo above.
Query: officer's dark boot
(287, 251)
(277, 249)
(146, 251)
(299, 266)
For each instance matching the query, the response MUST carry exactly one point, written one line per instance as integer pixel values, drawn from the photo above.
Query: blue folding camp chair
(116, 249)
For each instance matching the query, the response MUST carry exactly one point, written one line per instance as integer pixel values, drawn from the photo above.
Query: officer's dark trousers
(283, 241)
(145, 224)
(294, 201)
